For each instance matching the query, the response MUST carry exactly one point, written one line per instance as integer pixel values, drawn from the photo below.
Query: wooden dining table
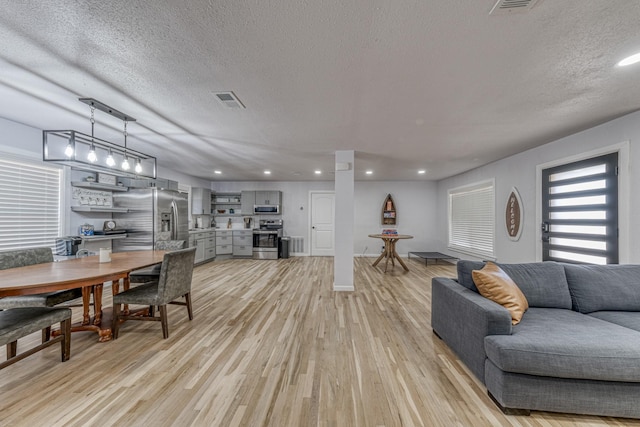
(389, 252)
(87, 273)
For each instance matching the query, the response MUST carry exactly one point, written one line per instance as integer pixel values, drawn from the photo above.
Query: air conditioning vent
(503, 7)
(229, 100)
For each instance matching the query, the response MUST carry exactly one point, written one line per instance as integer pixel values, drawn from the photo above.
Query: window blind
(580, 211)
(29, 205)
(472, 219)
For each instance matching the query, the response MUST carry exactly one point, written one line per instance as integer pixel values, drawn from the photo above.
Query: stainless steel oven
(265, 239)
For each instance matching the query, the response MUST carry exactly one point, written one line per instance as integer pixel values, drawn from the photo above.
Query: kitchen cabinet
(248, 199)
(243, 243)
(224, 242)
(210, 246)
(204, 242)
(268, 197)
(200, 201)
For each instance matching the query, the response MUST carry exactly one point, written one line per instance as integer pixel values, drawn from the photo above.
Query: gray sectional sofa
(576, 349)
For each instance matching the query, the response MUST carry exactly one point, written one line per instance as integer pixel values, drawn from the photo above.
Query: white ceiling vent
(503, 7)
(229, 100)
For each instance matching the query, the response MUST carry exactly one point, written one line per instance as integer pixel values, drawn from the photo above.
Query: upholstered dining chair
(173, 282)
(151, 273)
(32, 256)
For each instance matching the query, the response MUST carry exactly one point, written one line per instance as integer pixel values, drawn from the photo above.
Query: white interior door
(322, 217)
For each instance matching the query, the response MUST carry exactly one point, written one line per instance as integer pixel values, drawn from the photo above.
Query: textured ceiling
(441, 85)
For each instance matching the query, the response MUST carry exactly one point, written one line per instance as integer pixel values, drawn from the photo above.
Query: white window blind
(472, 219)
(29, 205)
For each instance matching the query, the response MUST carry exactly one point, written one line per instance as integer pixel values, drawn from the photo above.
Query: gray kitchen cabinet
(200, 201)
(248, 199)
(268, 197)
(210, 245)
(243, 243)
(224, 242)
(197, 240)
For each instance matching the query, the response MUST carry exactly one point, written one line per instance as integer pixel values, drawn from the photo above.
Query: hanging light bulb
(110, 161)
(125, 163)
(92, 154)
(92, 151)
(69, 150)
(138, 167)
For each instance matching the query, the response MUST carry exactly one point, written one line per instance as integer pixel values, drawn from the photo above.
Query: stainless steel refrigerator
(154, 215)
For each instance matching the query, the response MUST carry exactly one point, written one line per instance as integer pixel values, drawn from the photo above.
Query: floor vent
(296, 244)
(229, 100)
(503, 7)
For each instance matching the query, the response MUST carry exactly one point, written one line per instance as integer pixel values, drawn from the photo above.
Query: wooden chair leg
(12, 349)
(65, 344)
(187, 297)
(164, 321)
(46, 334)
(115, 327)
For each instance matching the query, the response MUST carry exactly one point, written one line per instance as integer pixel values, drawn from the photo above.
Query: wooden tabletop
(73, 273)
(391, 236)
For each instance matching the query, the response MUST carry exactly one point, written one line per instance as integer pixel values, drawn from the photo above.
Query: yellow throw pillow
(496, 285)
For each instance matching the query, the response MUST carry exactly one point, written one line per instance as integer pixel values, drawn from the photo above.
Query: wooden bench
(19, 322)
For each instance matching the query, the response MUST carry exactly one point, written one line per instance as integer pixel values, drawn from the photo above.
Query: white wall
(520, 171)
(415, 203)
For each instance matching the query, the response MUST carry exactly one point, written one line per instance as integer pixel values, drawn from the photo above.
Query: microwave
(266, 209)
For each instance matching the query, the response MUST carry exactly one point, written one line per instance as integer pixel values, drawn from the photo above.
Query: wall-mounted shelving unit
(98, 186)
(226, 202)
(389, 212)
(90, 209)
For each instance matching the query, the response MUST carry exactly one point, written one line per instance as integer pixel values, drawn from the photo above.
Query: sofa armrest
(462, 318)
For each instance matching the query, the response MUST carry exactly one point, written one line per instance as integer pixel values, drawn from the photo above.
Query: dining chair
(173, 282)
(32, 256)
(151, 273)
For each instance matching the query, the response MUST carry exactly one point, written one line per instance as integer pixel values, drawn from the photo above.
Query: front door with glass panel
(580, 211)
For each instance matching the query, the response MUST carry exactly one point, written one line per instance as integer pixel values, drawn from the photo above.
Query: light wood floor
(270, 345)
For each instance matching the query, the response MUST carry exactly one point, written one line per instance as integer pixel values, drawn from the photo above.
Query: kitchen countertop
(204, 230)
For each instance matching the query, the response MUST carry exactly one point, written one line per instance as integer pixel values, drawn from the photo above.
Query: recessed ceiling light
(369, 172)
(318, 172)
(629, 60)
(217, 172)
(422, 171)
(267, 172)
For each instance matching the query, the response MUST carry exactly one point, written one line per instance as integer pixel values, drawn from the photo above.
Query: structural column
(344, 221)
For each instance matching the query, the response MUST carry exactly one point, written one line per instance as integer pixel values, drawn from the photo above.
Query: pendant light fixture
(125, 163)
(86, 152)
(110, 160)
(68, 151)
(92, 156)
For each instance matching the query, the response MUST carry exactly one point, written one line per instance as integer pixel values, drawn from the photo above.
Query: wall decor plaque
(514, 215)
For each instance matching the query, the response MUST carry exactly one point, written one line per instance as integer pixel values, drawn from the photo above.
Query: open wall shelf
(389, 213)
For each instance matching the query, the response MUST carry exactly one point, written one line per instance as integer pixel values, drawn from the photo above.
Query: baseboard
(343, 288)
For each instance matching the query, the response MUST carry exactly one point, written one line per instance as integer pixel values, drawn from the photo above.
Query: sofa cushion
(465, 267)
(628, 319)
(604, 287)
(544, 284)
(494, 284)
(566, 344)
